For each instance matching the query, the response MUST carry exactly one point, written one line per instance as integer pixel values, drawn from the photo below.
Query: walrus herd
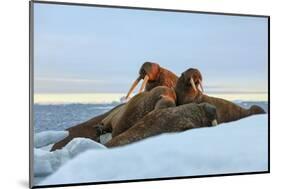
(165, 103)
(172, 119)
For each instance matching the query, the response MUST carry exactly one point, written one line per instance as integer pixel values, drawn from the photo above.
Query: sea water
(62, 116)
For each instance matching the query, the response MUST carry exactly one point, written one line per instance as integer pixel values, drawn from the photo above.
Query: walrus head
(189, 85)
(211, 114)
(148, 72)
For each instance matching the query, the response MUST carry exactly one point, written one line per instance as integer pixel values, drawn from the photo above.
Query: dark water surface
(63, 116)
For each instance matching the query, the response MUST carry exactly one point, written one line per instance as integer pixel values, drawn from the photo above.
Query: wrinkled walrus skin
(226, 110)
(173, 119)
(140, 105)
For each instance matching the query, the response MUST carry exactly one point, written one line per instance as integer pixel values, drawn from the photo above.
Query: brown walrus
(187, 90)
(173, 119)
(157, 77)
(140, 105)
(153, 76)
(86, 129)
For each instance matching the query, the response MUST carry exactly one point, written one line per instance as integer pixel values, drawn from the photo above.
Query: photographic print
(122, 94)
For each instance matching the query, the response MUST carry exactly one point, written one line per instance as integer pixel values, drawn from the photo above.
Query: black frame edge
(152, 179)
(268, 78)
(31, 36)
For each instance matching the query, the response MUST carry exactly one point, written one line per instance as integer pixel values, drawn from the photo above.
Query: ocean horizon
(115, 98)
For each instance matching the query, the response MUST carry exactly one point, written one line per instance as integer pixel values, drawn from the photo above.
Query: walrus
(140, 105)
(88, 129)
(158, 76)
(188, 91)
(172, 119)
(153, 75)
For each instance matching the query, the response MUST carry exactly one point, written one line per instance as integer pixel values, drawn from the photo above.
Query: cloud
(78, 85)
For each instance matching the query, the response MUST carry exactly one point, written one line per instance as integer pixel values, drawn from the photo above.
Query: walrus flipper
(255, 109)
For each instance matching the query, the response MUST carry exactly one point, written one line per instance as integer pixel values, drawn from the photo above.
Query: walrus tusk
(193, 84)
(201, 86)
(145, 80)
(214, 122)
(133, 87)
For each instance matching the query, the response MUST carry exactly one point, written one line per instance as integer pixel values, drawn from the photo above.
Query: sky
(81, 49)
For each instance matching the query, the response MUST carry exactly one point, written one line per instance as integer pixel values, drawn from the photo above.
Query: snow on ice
(234, 147)
(48, 137)
(46, 162)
